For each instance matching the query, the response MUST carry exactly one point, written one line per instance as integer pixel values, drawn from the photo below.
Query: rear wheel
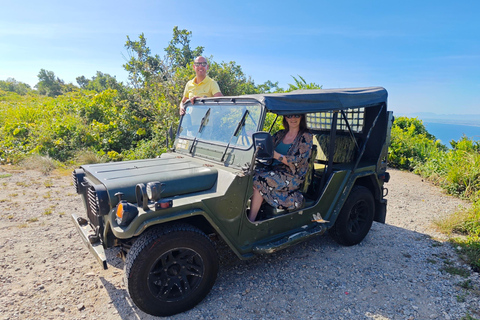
(355, 218)
(170, 269)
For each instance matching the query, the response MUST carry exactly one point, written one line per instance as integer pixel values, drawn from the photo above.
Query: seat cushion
(344, 148)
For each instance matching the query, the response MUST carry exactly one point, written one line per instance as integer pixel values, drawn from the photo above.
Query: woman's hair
(303, 124)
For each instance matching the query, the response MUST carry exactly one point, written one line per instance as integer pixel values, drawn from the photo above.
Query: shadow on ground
(393, 274)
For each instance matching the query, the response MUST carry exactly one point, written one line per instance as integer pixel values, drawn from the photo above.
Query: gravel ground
(397, 272)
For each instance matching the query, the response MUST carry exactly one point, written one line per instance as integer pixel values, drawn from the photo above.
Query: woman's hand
(277, 156)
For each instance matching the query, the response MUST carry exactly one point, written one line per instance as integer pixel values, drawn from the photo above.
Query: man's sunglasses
(288, 116)
(203, 64)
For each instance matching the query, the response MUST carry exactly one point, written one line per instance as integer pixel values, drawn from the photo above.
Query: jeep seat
(344, 148)
(310, 171)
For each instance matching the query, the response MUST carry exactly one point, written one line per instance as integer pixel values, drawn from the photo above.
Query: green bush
(83, 120)
(411, 145)
(456, 170)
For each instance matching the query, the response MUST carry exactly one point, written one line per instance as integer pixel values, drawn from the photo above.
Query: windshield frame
(254, 121)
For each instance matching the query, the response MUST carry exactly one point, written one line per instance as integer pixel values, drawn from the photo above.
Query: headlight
(154, 190)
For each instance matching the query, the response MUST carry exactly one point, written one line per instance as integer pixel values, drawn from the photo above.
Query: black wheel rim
(176, 274)
(358, 217)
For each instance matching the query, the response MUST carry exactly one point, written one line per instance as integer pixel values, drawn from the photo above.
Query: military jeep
(163, 213)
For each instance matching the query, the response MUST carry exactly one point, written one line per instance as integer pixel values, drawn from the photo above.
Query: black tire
(355, 218)
(170, 269)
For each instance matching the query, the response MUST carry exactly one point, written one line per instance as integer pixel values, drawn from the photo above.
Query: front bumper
(95, 248)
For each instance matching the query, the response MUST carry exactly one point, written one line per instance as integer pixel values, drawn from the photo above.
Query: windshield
(221, 123)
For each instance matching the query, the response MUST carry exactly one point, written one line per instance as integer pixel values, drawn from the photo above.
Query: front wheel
(355, 218)
(170, 269)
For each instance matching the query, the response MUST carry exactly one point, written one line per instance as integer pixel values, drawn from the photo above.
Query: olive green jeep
(164, 212)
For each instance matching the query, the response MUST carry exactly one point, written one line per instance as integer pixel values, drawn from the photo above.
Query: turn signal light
(126, 212)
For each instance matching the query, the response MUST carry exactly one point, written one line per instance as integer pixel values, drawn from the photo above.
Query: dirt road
(397, 272)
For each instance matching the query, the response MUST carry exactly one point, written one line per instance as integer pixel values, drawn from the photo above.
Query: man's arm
(182, 107)
(218, 94)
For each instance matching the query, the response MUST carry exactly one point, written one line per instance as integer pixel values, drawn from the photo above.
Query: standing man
(200, 86)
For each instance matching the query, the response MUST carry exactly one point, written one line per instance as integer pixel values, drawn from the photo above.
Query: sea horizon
(448, 127)
(446, 132)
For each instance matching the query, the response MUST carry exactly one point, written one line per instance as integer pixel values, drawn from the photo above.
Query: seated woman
(279, 184)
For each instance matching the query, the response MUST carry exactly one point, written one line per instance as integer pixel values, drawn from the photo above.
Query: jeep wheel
(170, 269)
(355, 218)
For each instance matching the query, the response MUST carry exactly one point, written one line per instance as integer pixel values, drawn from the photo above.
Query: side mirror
(263, 143)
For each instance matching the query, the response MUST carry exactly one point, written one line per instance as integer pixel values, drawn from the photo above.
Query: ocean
(447, 132)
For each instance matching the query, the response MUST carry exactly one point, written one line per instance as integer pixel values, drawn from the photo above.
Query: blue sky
(425, 53)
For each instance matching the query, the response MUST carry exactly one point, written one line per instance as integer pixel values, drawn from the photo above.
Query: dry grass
(89, 157)
(452, 223)
(44, 164)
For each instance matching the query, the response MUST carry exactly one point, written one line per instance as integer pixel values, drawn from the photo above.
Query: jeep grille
(93, 206)
(75, 181)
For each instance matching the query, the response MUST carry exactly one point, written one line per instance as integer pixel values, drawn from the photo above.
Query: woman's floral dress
(279, 184)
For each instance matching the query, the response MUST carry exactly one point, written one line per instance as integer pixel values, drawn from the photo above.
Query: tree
(302, 85)
(231, 79)
(142, 67)
(269, 87)
(48, 84)
(82, 81)
(13, 85)
(100, 82)
(178, 51)
(158, 84)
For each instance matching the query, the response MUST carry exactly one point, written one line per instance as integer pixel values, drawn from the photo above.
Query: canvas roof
(317, 100)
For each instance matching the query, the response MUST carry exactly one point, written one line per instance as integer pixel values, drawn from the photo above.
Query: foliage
(411, 144)
(146, 149)
(156, 99)
(59, 127)
(105, 119)
(142, 67)
(456, 170)
(231, 79)
(301, 84)
(12, 85)
(465, 223)
(269, 87)
(48, 84)
(9, 96)
(159, 84)
(179, 51)
(273, 123)
(100, 82)
(470, 249)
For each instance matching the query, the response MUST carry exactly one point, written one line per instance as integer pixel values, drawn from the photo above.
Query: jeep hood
(179, 176)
